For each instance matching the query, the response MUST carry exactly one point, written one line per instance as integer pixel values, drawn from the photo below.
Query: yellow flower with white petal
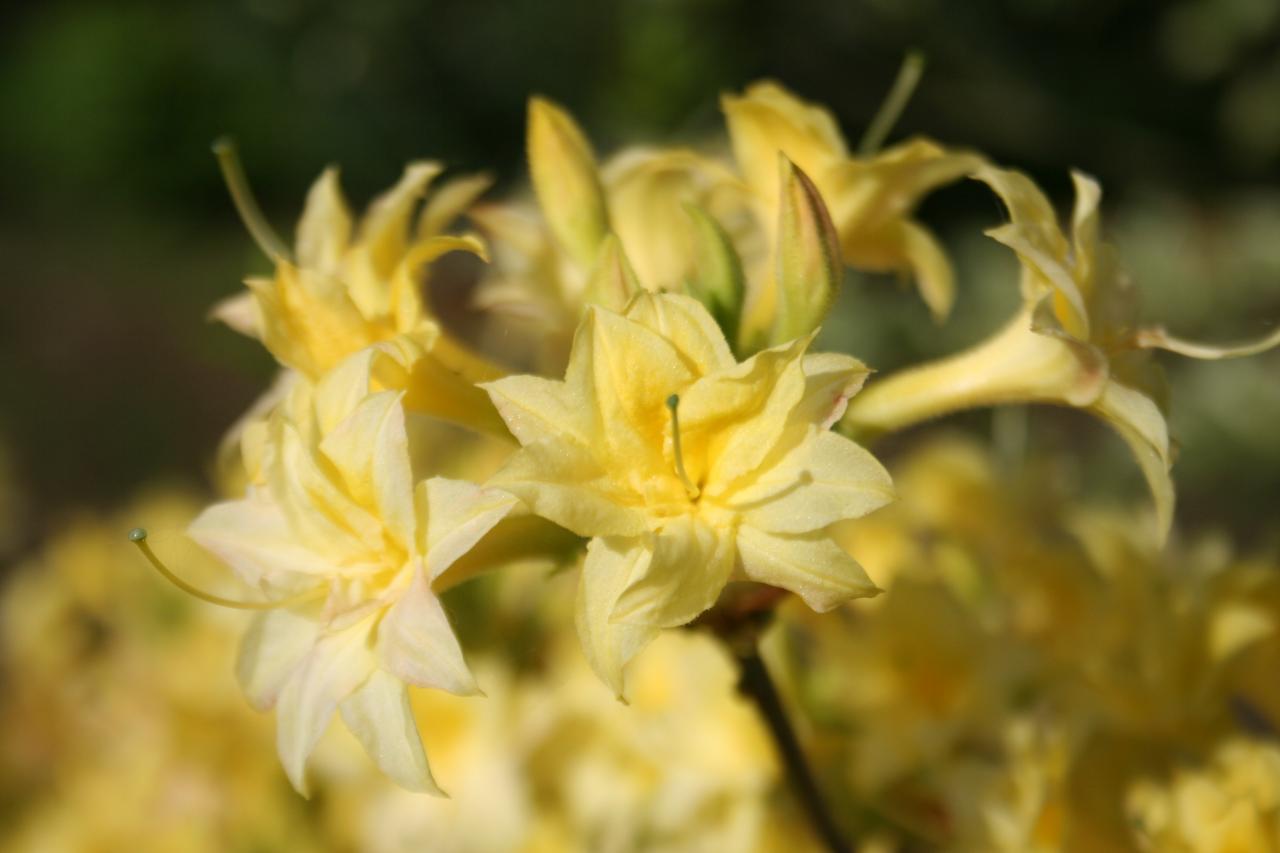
(351, 555)
(870, 198)
(1229, 805)
(1074, 342)
(687, 468)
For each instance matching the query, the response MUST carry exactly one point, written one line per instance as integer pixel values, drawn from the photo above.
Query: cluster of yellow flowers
(1025, 675)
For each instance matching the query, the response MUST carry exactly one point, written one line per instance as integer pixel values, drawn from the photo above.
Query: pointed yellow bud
(808, 256)
(717, 280)
(613, 281)
(566, 181)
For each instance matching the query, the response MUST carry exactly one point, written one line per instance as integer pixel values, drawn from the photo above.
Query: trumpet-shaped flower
(870, 198)
(687, 469)
(340, 531)
(1075, 340)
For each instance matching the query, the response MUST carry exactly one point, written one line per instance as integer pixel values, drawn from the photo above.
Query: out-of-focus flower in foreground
(687, 468)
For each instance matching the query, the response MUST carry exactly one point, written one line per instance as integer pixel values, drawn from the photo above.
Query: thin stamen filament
(138, 536)
(673, 403)
(904, 85)
(246, 205)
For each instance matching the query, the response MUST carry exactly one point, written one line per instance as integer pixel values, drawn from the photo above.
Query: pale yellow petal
(334, 668)
(826, 479)
(564, 482)
(239, 313)
(742, 413)
(378, 714)
(768, 119)
(535, 408)
(319, 511)
(384, 231)
(272, 649)
(453, 515)
(609, 645)
(416, 643)
(325, 228)
(690, 563)
(449, 201)
(830, 381)
(612, 282)
(370, 449)
(1142, 425)
(254, 538)
(811, 565)
(688, 325)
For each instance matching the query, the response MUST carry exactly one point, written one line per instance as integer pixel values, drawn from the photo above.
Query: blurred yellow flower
(870, 199)
(1074, 342)
(1230, 804)
(687, 468)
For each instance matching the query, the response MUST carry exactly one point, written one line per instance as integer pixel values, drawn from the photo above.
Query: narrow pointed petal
(416, 643)
(335, 667)
(239, 313)
(826, 479)
(608, 645)
(450, 201)
(457, 514)
(1142, 425)
(811, 565)
(565, 179)
(378, 714)
(325, 228)
(370, 449)
(272, 650)
(690, 564)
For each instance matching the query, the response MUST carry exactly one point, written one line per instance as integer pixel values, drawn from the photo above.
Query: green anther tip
(673, 401)
(138, 534)
(223, 144)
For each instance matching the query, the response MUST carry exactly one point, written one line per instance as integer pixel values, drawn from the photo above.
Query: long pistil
(138, 536)
(673, 403)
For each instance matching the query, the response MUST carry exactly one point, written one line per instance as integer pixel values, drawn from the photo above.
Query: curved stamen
(246, 205)
(138, 536)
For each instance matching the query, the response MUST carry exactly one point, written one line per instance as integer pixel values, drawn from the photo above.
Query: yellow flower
(870, 199)
(687, 468)
(1074, 342)
(349, 285)
(356, 550)
(1232, 804)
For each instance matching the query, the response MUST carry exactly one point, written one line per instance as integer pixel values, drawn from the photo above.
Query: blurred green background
(116, 233)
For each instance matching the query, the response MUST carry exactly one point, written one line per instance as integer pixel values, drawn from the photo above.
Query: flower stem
(756, 683)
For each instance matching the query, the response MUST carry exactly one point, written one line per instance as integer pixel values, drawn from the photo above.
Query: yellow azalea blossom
(340, 536)
(349, 285)
(870, 199)
(687, 469)
(1075, 340)
(1232, 804)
